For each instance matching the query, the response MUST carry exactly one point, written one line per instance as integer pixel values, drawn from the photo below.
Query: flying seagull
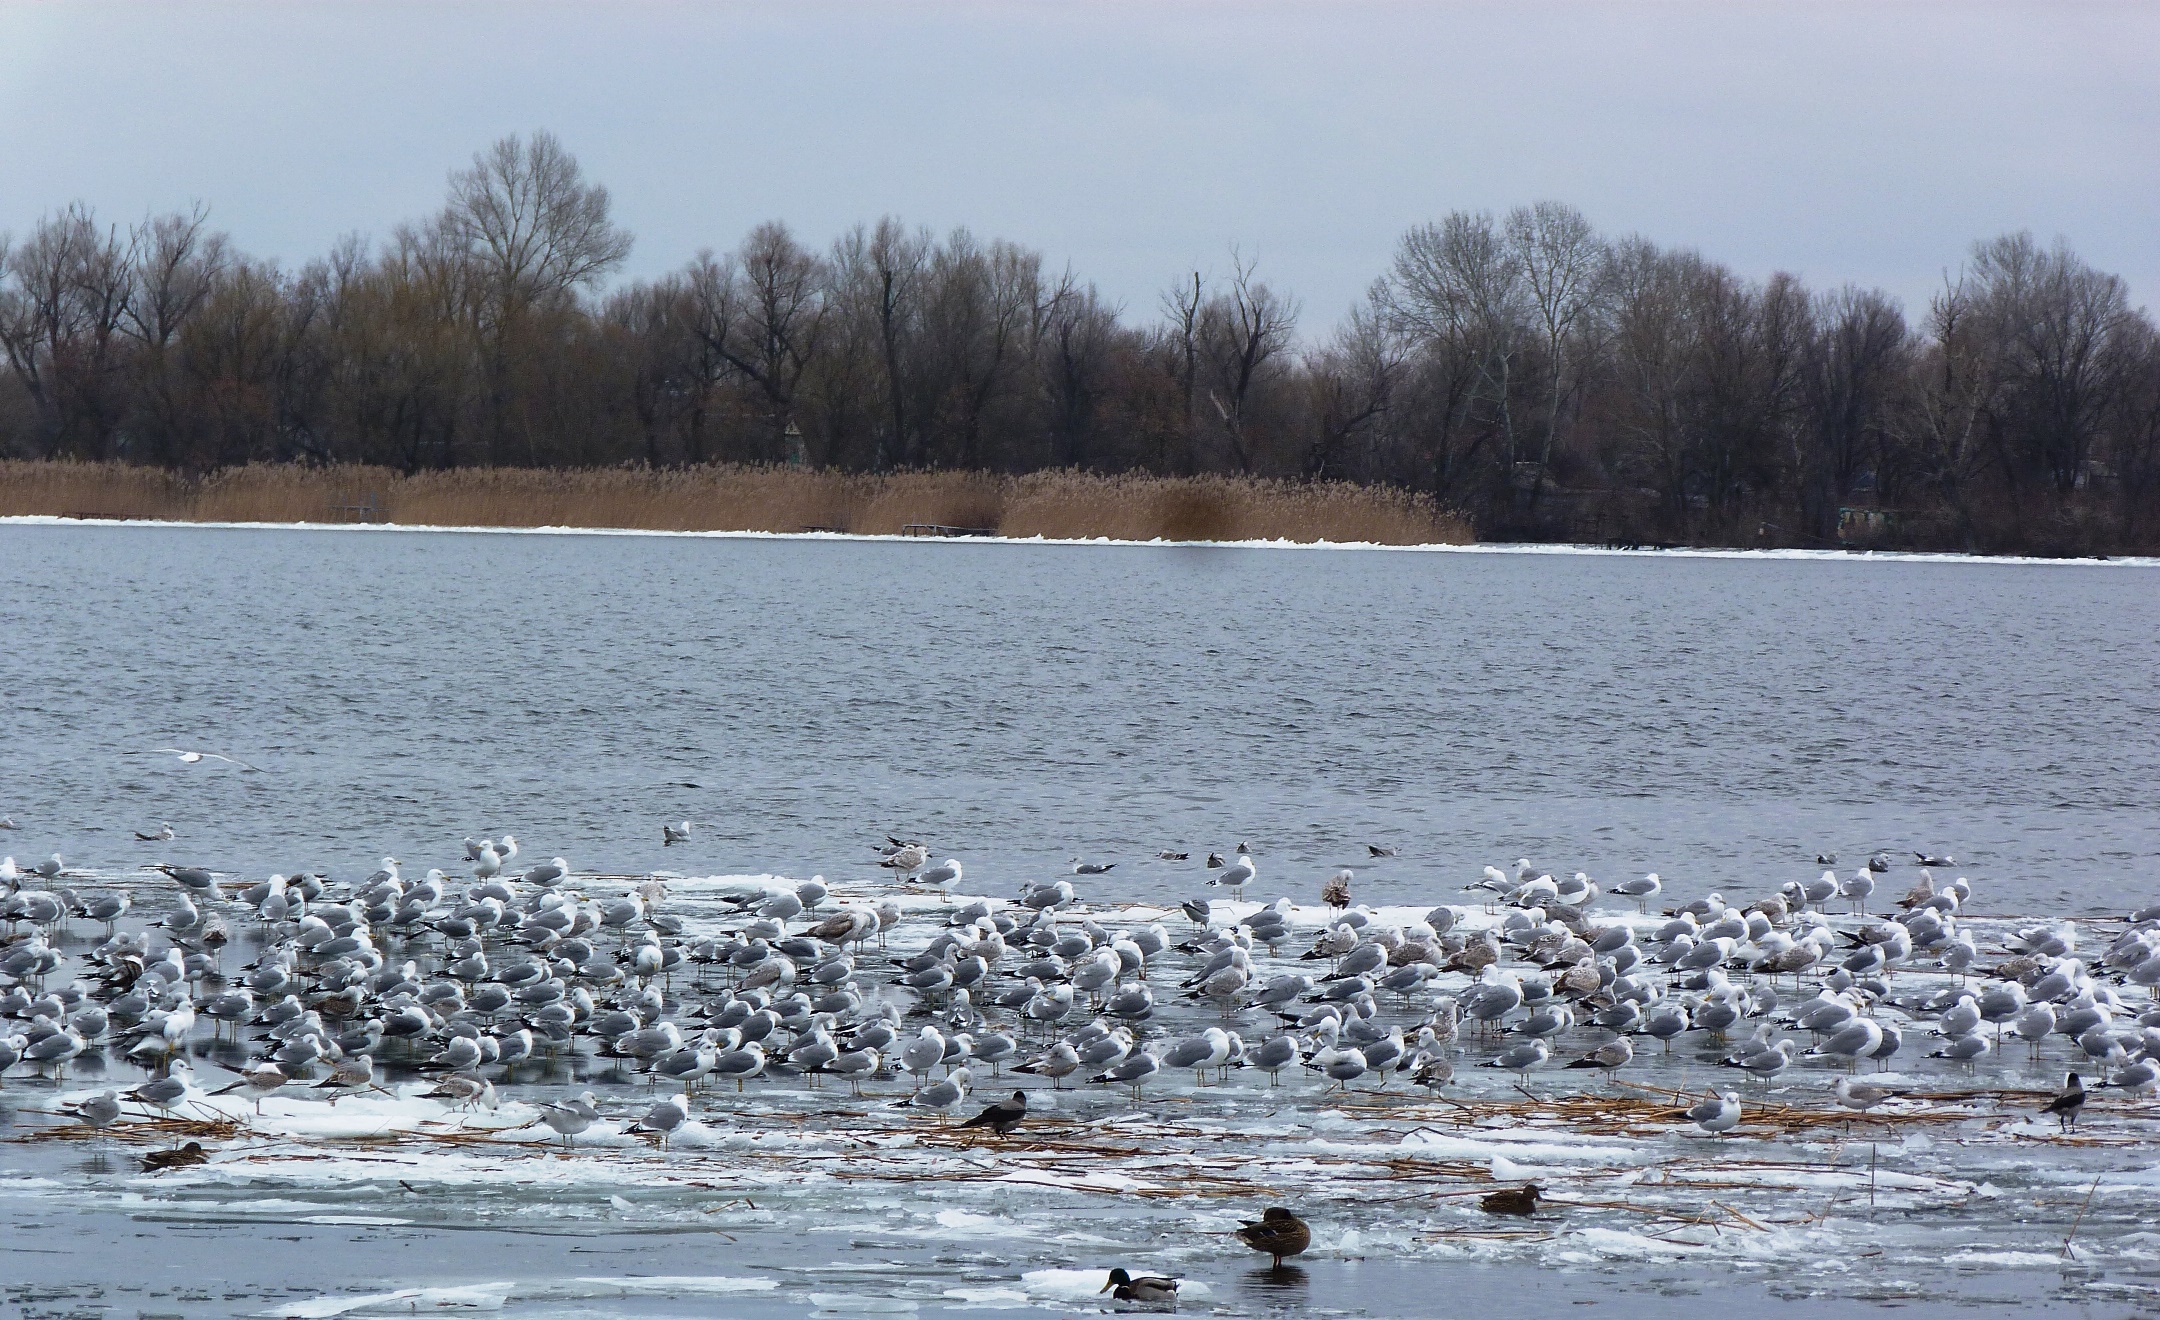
(194, 758)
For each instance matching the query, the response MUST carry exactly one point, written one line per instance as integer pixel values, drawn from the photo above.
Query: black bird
(1511, 1201)
(1003, 1116)
(2068, 1102)
(1278, 1233)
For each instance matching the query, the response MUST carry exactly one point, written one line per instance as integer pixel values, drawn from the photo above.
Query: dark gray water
(1719, 720)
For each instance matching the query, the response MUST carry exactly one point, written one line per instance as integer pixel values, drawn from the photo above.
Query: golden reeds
(1061, 504)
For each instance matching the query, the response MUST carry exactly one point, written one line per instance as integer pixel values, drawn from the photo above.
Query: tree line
(1544, 379)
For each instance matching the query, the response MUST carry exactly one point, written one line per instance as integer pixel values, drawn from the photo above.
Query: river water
(1718, 719)
(1714, 719)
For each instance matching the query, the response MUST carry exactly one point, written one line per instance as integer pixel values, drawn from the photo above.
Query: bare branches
(524, 213)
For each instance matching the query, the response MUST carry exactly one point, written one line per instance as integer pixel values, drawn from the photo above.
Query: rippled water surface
(1718, 720)
(1712, 719)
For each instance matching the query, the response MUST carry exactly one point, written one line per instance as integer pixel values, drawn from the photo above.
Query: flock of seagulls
(467, 975)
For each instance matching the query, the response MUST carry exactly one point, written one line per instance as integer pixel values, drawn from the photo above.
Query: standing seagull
(663, 1118)
(907, 859)
(1716, 1114)
(354, 1074)
(571, 1116)
(1336, 892)
(259, 1080)
(1237, 875)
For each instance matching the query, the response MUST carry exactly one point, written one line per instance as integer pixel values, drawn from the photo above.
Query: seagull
(1170, 855)
(167, 1093)
(1237, 875)
(906, 859)
(459, 1089)
(8, 823)
(1611, 1056)
(1090, 868)
(944, 1095)
(1862, 1096)
(670, 835)
(160, 835)
(571, 1116)
(1148, 1289)
(1131, 1070)
(1520, 1059)
(1278, 1233)
(1057, 1063)
(943, 876)
(1641, 890)
(1336, 892)
(2067, 1102)
(1716, 1114)
(196, 758)
(259, 1080)
(1002, 1116)
(663, 1118)
(1946, 860)
(1380, 850)
(99, 1111)
(354, 1074)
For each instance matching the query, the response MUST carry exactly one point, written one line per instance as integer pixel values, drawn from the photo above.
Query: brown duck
(1511, 1200)
(1278, 1233)
(159, 1160)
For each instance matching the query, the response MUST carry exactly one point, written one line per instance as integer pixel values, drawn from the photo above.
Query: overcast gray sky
(1866, 142)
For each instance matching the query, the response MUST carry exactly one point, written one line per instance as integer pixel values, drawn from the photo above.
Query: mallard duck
(1511, 1200)
(158, 1160)
(1278, 1233)
(1147, 1288)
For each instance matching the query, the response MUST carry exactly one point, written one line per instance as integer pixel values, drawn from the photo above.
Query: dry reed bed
(1063, 504)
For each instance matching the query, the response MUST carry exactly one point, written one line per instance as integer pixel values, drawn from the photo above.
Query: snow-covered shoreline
(1481, 548)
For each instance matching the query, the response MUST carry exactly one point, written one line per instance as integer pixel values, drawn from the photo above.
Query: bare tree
(1181, 312)
(536, 234)
(1242, 332)
(1560, 256)
(69, 290)
(1352, 385)
(1457, 284)
(763, 312)
(537, 230)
